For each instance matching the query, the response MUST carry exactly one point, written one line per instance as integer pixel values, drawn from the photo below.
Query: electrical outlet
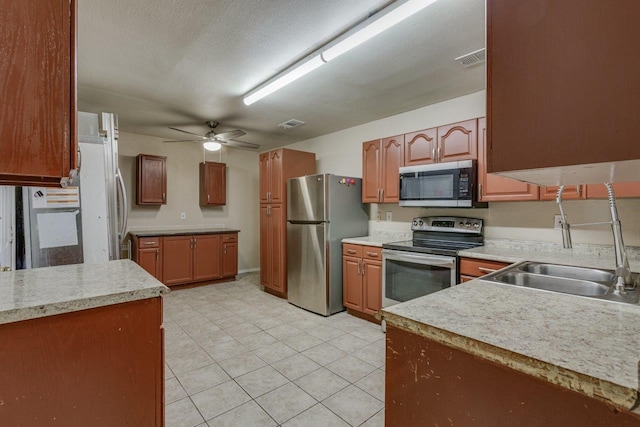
(183, 215)
(557, 221)
(389, 216)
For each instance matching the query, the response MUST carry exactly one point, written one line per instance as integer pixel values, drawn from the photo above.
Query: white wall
(341, 153)
(240, 212)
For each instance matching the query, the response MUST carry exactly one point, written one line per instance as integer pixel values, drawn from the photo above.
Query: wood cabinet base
(428, 383)
(364, 316)
(98, 367)
(275, 293)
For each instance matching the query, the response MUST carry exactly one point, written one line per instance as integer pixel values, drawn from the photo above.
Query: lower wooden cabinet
(471, 268)
(177, 260)
(362, 278)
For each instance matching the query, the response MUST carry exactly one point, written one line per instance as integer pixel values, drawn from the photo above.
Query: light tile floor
(237, 356)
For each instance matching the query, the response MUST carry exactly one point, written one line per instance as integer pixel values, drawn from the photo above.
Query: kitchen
(338, 152)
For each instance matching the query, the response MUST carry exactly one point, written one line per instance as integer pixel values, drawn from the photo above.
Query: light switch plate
(389, 216)
(557, 221)
(183, 215)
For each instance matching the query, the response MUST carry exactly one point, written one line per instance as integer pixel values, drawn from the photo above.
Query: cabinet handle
(480, 192)
(150, 243)
(439, 159)
(382, 194)
(351, 251)
(208, 198)
(372, 254)
(164, 197)
(157, 254)
(379, 198)
(363, 269)
(487, 270)
(359, 268)
(433, 154)
(579, 189)
(195, 243)
(225, 250)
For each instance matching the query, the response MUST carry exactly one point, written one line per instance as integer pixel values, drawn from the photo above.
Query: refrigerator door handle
(125, 209)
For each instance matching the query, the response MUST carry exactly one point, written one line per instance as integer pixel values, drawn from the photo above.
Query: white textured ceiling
(160, 63)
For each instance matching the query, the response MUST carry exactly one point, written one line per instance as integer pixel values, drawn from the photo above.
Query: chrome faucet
(624, 279)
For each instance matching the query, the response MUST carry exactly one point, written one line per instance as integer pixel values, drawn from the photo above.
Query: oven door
(409, 275)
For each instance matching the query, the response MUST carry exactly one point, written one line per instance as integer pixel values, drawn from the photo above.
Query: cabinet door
(621, 190)
(264, 177)
(207, 262)
(266, 253)
(352, 283)
(229, 259)
(372, 287)
(177, 260)
(150, 260)
(277, 253)
(213, 184)
(38, 92)
(152, 180)
(275, 177)
(392, 159)
(458, 141)
(419, 147)
(571, 192)
(371, 166)
(494, 188)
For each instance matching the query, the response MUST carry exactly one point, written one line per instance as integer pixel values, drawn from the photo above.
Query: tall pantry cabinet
(276, 167)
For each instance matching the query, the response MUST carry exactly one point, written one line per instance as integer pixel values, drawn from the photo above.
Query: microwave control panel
(463, 186)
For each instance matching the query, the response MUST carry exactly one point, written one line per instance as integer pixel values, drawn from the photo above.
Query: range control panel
(447, 224)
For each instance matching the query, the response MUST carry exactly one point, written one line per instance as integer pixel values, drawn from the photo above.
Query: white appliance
(59, 228)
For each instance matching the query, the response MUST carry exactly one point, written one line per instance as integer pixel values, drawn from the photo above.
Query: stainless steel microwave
(450, 184)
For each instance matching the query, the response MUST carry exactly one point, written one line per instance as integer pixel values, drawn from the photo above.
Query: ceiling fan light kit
(213, 141)
(212, 146)
(369, 28)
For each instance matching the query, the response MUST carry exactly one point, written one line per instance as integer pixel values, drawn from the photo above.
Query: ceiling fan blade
(190, 133)
(240, 144)
(225, 136)
(186, 140)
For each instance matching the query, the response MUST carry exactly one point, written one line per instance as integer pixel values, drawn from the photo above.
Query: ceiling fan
(213, 141)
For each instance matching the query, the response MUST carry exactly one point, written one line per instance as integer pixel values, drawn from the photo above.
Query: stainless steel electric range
(429, 262)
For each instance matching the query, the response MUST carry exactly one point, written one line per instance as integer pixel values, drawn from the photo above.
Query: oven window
(407, 280)
(427, 187)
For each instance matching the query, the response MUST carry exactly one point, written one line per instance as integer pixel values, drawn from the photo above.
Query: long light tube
(371, 27)
(280, 81)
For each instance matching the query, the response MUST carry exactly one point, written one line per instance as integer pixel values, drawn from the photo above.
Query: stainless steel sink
(586, 282)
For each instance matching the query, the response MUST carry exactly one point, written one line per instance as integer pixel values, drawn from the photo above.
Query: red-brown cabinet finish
(177, 262)
(380, 162)
(229, 255)
(420, 147)
(147, 252)
(276, 167)
(621, 190)
(352, 282)
(362, 279)
(151, 180)
(458, 141)
(372, 286)
(213, 184)
(38, 92)
(549, 103)
(495, 188)
(96, 367)
(207, 260)
(571, 192)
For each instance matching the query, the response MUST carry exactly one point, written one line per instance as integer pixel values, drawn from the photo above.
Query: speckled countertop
(378, 239)
(40, 292)
(181, 231)
(588, 346)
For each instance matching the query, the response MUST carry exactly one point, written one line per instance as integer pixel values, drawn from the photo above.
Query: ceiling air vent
(472, 58)
(293, 123)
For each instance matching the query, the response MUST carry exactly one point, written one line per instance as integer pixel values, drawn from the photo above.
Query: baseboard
(249, 270)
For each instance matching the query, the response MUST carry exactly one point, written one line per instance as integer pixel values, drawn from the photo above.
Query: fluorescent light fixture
(212, 146)
(374, 26)
(283, 79)
(386, 18)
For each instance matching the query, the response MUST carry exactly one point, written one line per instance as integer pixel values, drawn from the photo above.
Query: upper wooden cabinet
(571, 192)
(151, 180)
(381, 160)
(213, 184)
(550, 101)
(621, 190)
(277, 166)
(450, 143)
(494, 188)
(38, 92)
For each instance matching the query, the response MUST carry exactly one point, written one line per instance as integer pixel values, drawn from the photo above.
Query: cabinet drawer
(229, 238)
(479, 267)
(352, 250)
(372, 252)
(149, 242)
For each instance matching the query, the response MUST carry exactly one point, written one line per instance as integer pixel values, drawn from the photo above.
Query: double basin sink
(586, 282)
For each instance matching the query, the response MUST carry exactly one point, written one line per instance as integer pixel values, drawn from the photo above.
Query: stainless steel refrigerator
(85, 222)
(321, 211)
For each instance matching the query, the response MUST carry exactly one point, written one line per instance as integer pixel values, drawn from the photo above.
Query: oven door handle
(421, 259)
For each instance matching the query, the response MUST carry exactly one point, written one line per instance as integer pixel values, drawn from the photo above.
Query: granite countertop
(40, 292)
(181, 231)
(589, 346)
(378, 239)
(581, 255)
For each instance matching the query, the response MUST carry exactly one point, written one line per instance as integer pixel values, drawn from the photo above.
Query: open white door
(7, 228)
